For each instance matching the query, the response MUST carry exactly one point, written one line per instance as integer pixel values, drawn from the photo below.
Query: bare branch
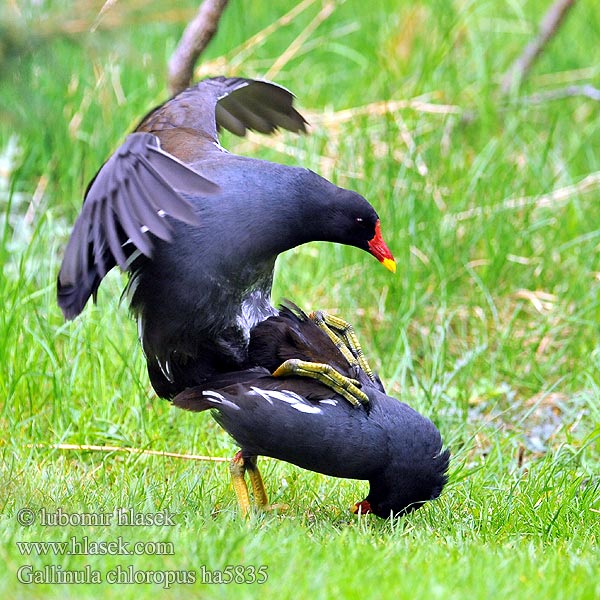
(549, 25)
(194, 40)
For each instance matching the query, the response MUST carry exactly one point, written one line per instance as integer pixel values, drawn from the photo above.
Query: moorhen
(301, 421)
(199, 229)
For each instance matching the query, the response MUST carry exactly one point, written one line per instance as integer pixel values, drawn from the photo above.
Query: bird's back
(300, 420)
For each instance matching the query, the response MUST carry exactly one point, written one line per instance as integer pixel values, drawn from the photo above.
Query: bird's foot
(326, 374)
(238, 468)
(342, 334)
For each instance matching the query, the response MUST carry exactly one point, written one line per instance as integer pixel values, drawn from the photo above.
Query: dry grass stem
(239, 55)
(141, 451)
(296, 45)
(553, 199)
(382, 108)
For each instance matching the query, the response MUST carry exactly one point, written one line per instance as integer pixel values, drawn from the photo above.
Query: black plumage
(399, 451)
(199, 231)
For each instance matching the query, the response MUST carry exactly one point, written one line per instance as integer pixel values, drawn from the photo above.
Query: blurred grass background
(490, 326)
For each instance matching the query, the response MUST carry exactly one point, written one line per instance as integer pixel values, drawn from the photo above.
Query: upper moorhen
(302, 422)
(199, 229)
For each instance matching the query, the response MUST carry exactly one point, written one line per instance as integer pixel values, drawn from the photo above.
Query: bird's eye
(358, 220)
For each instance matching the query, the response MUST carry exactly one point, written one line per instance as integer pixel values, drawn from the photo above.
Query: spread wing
(258, 105)
(137, 186)
(124, 204)
(233, 103)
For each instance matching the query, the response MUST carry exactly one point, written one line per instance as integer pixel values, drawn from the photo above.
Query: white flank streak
(219, 399)
(216, 397)
(329, 401)
(166, 369)
(254, 391)
(307, 408)
(291, 398)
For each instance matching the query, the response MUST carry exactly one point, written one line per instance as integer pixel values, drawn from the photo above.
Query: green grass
(490, 326)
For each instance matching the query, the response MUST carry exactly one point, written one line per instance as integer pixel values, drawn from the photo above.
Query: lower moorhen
(301, 421)
(199, 229)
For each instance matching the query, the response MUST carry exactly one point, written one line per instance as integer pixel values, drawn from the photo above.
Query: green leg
(238, 468)
(342, 334)
(326, 374)
(258, 487)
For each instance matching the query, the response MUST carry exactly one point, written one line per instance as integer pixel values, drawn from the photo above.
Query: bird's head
(401, 490)
(347, 218)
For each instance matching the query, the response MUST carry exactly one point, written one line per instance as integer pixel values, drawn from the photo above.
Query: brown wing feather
(126, 201)
(124, 204)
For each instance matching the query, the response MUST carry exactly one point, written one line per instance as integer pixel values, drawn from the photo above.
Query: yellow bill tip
(390, 264)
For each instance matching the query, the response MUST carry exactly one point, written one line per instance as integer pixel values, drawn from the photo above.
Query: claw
(326, 374)
(342, 334)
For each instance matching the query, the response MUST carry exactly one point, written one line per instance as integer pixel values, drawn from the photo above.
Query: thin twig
(194, 40)
(94, 448)
(549, 26)
(570, 91)
(554, 198)
(570, 76)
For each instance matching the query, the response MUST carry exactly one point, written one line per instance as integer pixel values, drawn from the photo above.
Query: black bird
(199, 229)
(399, 451)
